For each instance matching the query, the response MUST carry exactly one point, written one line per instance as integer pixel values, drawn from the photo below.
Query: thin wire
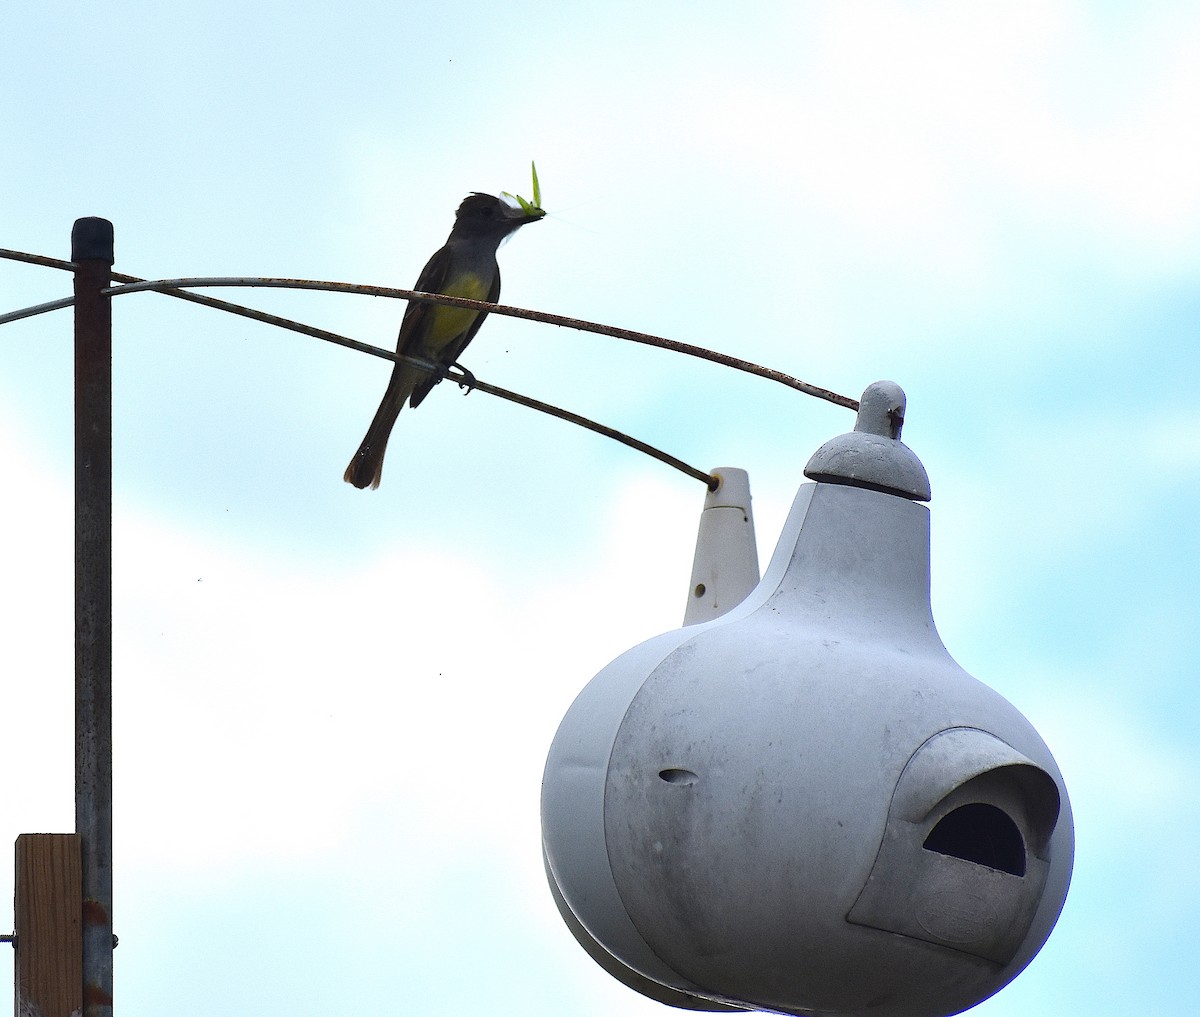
(173, 286)
(737, 363)
(295, 326)
(29, 312)
(37, 259)
(707, 479)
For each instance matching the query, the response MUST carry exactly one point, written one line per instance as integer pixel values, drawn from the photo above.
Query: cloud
(935, 133)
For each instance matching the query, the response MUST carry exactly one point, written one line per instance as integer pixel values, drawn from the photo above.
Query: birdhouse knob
(872, 455)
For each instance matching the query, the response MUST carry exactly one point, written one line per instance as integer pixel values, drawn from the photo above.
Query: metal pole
(92, 253)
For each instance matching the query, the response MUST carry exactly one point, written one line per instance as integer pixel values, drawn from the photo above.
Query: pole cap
(92, 240)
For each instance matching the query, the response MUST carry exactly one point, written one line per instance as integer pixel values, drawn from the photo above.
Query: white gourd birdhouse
(805, 805)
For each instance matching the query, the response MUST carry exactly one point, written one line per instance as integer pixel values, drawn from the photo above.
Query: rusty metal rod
(709, 481)
(173, 287)
(29, 312)
(341, 340)
(177, 286)
(92, 255)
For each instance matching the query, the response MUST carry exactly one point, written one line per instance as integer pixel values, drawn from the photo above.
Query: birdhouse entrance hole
(982, 834)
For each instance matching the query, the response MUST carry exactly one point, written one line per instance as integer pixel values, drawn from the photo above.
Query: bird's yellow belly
(450, 322)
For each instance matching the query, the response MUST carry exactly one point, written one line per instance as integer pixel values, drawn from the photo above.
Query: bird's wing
(431, 280)
(454, 350)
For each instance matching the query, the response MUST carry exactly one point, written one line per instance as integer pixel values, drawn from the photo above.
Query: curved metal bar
(38, 259)
(341, 340)
(29, 312)
(179, 288)
(708, 479)
(391, 292)
(176, 288)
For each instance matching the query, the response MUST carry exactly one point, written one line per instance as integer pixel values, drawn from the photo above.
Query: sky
(332, 707)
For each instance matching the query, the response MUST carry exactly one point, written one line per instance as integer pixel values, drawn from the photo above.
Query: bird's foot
(467, 381)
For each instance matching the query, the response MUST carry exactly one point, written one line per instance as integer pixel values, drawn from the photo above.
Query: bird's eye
(486, 211)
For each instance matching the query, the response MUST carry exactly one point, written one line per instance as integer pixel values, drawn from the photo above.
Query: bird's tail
(366, 466)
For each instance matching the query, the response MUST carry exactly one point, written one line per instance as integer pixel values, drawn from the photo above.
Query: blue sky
(333, 707)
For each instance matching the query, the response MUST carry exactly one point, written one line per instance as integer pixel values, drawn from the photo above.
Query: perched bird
(464, 267)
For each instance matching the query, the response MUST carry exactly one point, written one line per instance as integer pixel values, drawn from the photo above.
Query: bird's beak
(527, 215)
(522, 211)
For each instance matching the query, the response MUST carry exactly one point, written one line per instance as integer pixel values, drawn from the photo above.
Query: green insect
(528, 206)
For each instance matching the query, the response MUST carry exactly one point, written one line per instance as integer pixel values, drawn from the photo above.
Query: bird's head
(486, 215)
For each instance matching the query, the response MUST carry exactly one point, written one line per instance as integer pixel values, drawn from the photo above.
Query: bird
(465, 266)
